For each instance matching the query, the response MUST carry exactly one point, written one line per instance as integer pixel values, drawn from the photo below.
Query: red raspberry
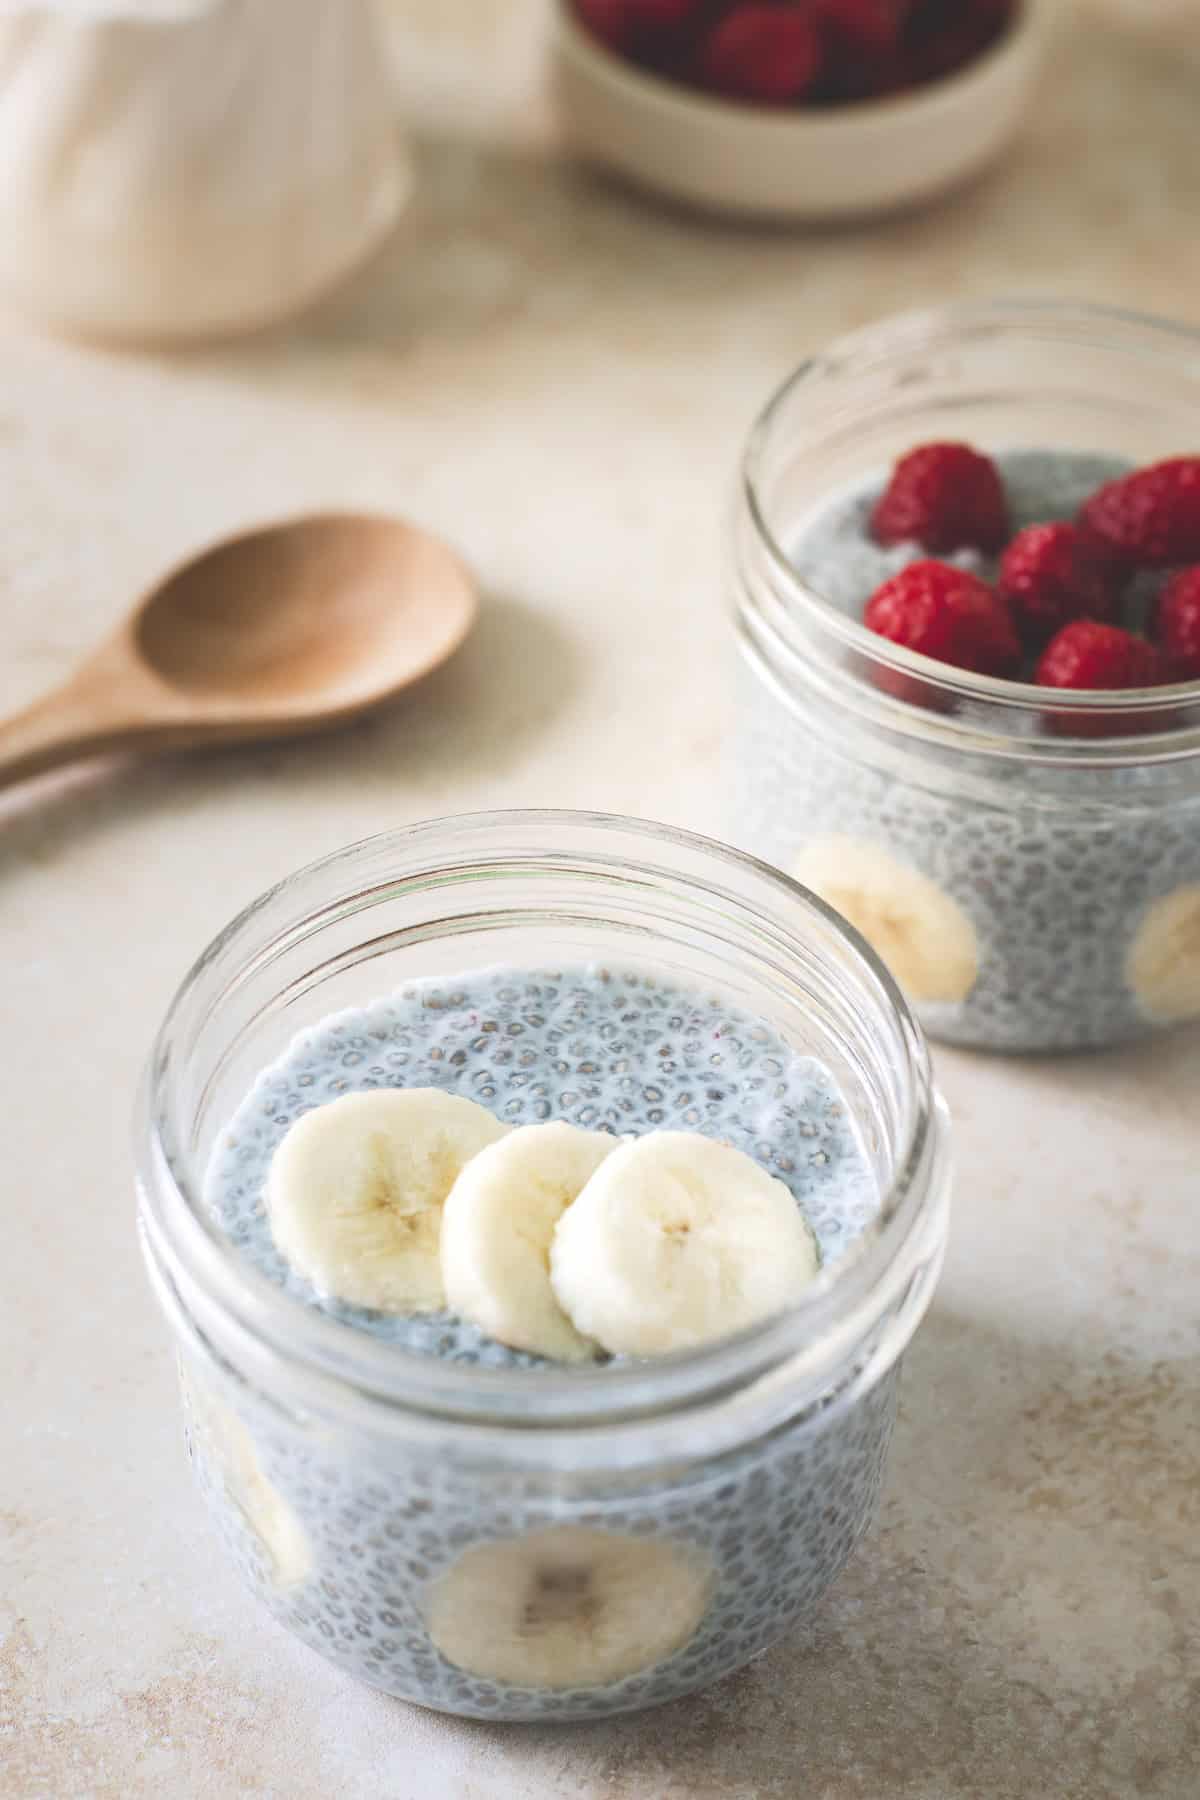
(863, 47)
(769, 54)
(1151, 517)
(1087, 654)
(1051, 574)
(948, 614)
(1090, 655)
(945, 35)
(1177, 624)
(609, 20)
(869, 29)
(633, 26)
(883, 78)
(943, 497)
(664, 13)
(930, 20)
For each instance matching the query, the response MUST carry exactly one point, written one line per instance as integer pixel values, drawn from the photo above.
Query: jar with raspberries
(967, 590)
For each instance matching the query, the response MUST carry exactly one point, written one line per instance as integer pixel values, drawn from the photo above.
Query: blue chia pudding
(1024, 902)
(464, 1582)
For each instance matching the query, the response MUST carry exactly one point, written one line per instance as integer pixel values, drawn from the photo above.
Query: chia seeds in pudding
(1062, 874)
(485, 1593)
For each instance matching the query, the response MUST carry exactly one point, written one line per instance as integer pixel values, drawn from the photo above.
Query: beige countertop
(558, 379)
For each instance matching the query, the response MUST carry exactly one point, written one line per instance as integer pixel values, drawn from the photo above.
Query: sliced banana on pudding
(497, 1230)
(356, 1190)
(227, 1447)
(924, 937)
(567, 1607)
(678, 1240)
(1163, 965)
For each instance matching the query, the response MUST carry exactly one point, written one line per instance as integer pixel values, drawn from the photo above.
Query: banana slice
(356, 1191)
(924, 937)
(229, 1450)
(497, 1230)
(567, 1607)
(1163, 965)
(675, 1241)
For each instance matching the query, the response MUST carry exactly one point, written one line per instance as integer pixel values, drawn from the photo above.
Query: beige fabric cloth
(181, 167)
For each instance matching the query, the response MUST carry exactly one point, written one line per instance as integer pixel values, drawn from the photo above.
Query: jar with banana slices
(541, 1204)
(1030, 872)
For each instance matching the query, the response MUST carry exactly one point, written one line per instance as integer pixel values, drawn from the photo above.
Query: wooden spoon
(294, 628)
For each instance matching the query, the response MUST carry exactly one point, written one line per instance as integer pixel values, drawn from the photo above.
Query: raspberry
(868, 29)
(948, 614)
(883, 78)
(633, 27)
(1087, 654)
(863, 47)
(1151, 517)
(1177, 624)
(664, 13)
(1051, 574)
(943, 497)
(930, 20)
(771, 54)
(609, 20)
(945, 35)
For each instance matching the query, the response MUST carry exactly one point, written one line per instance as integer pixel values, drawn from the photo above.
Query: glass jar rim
(1155, 708)
(182, 1239)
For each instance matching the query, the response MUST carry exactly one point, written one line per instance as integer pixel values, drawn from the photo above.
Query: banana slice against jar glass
(568, 1607)
(918, 930)
(1163, 965)
(226, 1445)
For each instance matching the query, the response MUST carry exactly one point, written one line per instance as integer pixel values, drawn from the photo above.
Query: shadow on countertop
(468, 721)
(1019, 1627)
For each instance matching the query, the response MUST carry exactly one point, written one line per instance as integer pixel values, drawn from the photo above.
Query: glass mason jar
(1031, 873)
(357, 1484)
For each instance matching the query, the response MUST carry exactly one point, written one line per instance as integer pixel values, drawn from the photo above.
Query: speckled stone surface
(559, 379)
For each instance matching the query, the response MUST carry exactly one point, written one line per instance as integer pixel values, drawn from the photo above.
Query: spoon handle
(70, 722)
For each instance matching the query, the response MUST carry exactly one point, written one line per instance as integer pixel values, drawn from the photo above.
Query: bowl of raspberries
(800, 109)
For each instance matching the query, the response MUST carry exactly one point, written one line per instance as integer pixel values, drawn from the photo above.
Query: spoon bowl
(298, 626)
(332, 611)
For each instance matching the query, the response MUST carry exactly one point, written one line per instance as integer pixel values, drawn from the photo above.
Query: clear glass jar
(349, 1478)
(1039, 870)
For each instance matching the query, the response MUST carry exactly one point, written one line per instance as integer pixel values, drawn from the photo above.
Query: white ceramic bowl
(754, 161)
